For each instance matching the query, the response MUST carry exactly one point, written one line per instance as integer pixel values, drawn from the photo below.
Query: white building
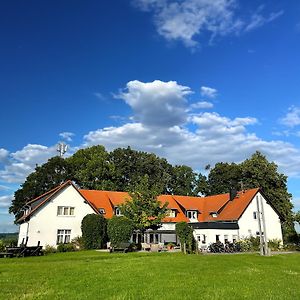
(55, 217)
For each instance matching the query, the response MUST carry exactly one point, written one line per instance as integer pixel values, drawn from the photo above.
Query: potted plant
(170, 246)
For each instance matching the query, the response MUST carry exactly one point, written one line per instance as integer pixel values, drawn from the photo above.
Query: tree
(257, 171)
(119, 229)
(51, 174)
(222, 177)
(92, 169)
(94, 231)
(185, 234)
(143, 208)
(254, 172)
(183, 181)
(131, 166)
(297, 217)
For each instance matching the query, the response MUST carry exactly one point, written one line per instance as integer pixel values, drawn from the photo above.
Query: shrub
(186, 237)
(119, 229)
(49, 249)
(94, 231)
(245, 245)
(274, 245)
(78, 243)
(2, 246)
(66, 247)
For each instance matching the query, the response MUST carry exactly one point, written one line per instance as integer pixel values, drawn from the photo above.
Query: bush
(274, 245)
(186, 237)
(78, 243)
(94, 231)
(119, 230)
(66, 248)
(2, 246)
(49, 249)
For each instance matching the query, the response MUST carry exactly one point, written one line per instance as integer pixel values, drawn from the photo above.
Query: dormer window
(192, 214)
(101, 211)
(118, 211)
(214, 214)
(171, 213)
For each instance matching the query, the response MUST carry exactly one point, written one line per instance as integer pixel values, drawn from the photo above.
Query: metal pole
(264, 226)
(259, 228)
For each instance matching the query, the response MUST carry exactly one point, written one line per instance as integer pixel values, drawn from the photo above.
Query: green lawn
(94, 275)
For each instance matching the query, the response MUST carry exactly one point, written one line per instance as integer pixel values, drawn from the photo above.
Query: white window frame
(192, 214)
(118, 211)
(65, 211)
(171, 213)
(101, 211)
(63, 236)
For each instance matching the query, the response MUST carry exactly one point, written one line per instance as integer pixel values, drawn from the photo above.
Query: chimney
(232, 193)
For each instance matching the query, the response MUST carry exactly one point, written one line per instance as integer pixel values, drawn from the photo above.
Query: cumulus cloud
(157, 103)
(185, 20)
(213, 138)
(292, 118)
(201, 105)
(67, 136)
(23, 162)
(208, 92)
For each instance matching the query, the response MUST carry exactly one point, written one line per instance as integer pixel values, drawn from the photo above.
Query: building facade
(55, 217)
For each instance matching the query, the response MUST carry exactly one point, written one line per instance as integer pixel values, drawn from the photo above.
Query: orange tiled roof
(226, 210)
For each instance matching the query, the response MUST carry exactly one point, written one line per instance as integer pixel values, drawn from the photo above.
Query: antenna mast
(62, 149)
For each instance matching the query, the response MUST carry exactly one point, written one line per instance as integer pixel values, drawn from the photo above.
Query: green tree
(297, 217)
(185, 235)
(51, 174)
(222, 177)
(143, 209)
(92, 169)
(183, 181)
(131, 166)
(257, 171)
(94, 231)
(119, 229)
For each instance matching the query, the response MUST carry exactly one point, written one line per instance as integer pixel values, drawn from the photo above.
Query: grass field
(95, 275)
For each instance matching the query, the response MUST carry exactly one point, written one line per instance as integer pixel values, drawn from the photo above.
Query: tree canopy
(143, 209)
(120, 170)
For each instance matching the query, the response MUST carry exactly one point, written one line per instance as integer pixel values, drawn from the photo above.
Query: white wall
(43, 224)
(211, 235)
(249, 226)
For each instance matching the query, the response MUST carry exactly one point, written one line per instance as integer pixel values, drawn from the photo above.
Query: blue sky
(195, 81)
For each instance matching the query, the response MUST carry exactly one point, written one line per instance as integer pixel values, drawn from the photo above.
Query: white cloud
(3, 154)
(5, 201)
(213, 138)
(185, 20)
(157, 103)
(201, 105)
(100, 96)
(292, 118)
(208, 92)
(67, 136)
(258, 20)
(23, 162)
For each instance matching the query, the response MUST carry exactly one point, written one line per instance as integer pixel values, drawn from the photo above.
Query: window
(217, 238)
(118, 211)
(203, 239)
(63, 236)
(226, 239)
(65, 211)
(171, 213)
(199, 238)
(254, 215)
(101, 211)
(191, 214)
(234, 238)
(214, 214)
